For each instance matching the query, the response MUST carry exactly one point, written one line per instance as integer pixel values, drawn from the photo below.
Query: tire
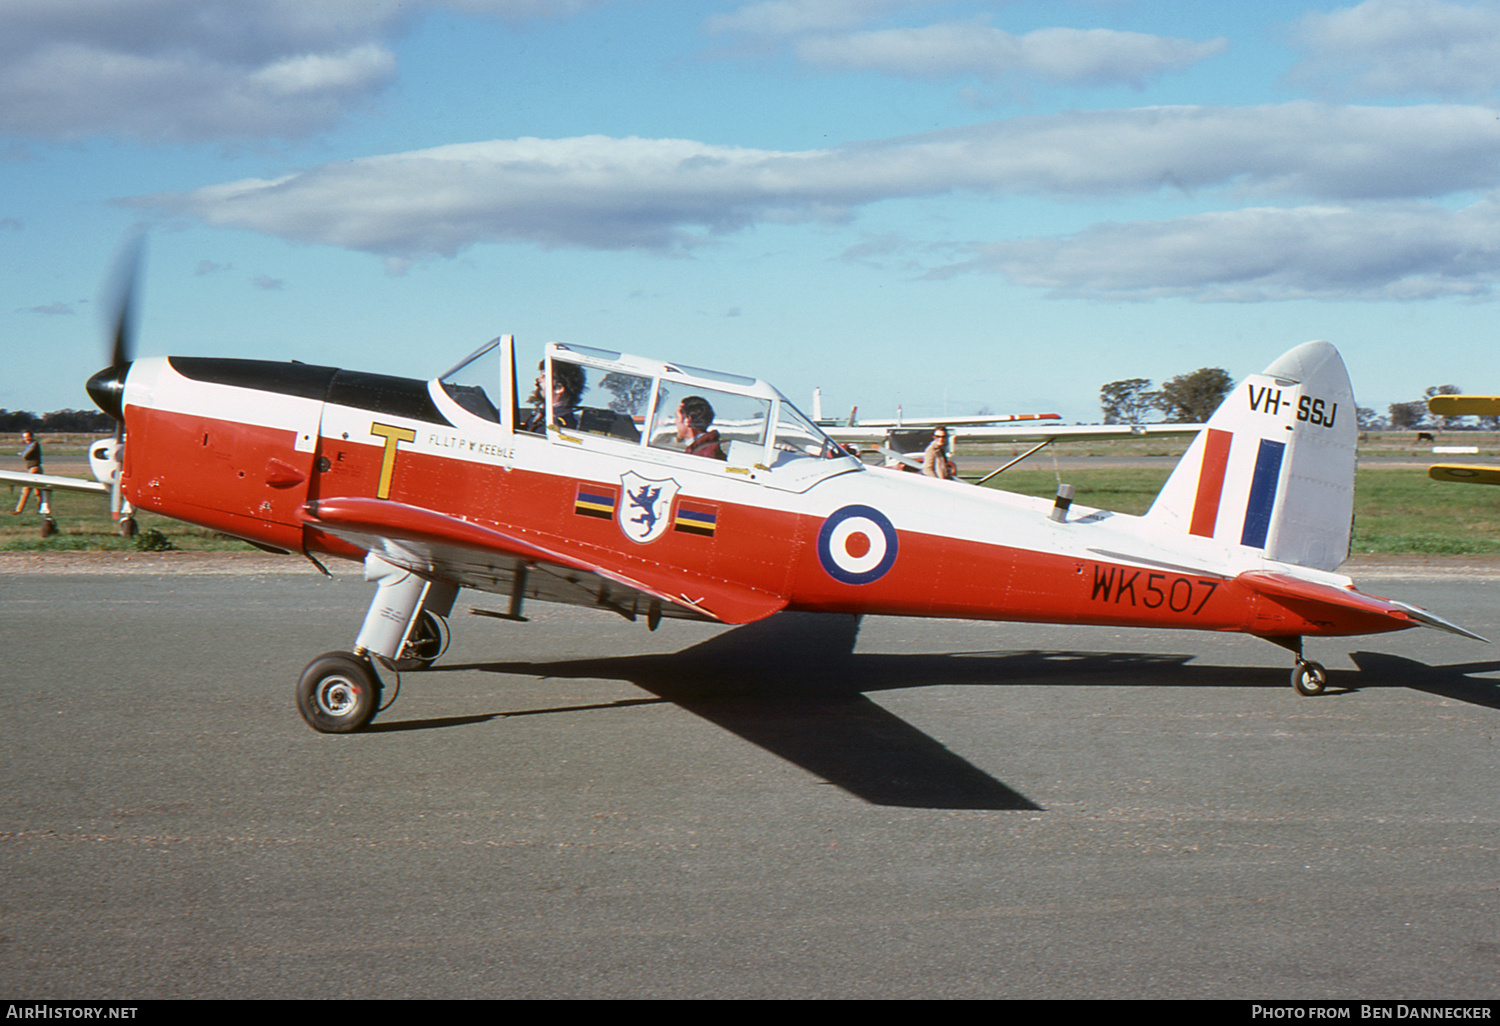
(1309, 678)
(338, 693)
(128, 528)
(429, 639)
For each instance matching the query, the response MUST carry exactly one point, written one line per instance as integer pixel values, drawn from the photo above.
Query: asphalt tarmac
(812, 806)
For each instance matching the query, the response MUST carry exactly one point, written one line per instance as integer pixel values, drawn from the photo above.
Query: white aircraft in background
(902, 437)
(106, 469)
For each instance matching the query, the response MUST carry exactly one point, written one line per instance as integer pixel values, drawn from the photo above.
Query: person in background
(32, 454)
(935, 459)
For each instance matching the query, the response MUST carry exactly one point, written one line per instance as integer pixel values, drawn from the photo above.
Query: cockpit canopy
(583, 394)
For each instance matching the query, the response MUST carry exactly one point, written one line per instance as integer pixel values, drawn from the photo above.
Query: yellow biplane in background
(1464, 406)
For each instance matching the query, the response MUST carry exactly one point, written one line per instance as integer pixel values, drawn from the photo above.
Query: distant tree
(18, 420)
(631, 392)
(1126, 402)
(1407, 416)
(1445, 422)
(1193, 398)
(1368, 419)
(76, 420)
(57, 420)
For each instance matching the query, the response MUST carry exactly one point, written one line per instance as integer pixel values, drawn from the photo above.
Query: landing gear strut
(340, 692)
(1308, 678)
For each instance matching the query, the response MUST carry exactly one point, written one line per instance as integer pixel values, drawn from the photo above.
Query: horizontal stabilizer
(1287, 588)
(1432, 620)
(447, 543)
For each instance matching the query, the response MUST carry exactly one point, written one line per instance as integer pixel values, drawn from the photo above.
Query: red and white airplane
(615, 492)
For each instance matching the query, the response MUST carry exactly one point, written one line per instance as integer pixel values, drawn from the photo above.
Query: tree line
(1193, 398)
(13, 421)
(1186, 399)
(1414, 415)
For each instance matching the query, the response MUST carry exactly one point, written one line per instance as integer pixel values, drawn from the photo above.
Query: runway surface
(806, 807)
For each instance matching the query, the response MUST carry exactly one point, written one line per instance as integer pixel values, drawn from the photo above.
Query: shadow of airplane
(1455, 681)
(793, 685)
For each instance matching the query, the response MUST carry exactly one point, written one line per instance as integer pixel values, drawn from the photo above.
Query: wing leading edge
(473, 556)
(62, 484)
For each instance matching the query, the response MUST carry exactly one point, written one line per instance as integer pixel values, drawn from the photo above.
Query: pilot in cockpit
(567, 388)
(694, 415)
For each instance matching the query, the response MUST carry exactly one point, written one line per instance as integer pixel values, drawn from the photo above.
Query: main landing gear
(340, 692)
(1308, 678)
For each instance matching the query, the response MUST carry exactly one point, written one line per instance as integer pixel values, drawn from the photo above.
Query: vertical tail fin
(1273, 470)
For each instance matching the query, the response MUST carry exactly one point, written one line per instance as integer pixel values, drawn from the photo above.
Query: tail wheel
(338, 693)
(1309, 678)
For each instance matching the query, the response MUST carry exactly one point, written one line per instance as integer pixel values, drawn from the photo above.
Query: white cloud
(1385, 251)
(1402, 48)
(793, 17)
(192, 70)
(831, 34)
(669, 195)
(953, 49)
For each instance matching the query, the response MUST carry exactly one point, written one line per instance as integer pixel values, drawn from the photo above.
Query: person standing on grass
(32, 455)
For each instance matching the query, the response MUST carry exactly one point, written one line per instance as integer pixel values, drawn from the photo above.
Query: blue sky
(952, 206)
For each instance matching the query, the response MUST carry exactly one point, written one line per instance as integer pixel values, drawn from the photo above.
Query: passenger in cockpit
(694, 415)
(567, 388)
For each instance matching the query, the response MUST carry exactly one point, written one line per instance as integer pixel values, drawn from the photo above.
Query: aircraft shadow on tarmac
(794, 686)
(1456, 681)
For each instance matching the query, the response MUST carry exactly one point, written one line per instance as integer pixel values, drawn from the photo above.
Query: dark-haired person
(935, 459)
(567, 388)
(694, 415)
(31, 452)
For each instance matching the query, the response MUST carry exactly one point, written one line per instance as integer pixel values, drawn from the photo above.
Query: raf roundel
(857, 545)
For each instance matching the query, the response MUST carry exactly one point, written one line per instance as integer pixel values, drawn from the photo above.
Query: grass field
(1397, 509)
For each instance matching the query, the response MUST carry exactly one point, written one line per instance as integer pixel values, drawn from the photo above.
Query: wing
(1464, 405)
(1034, 431)
(473, 556)
(62, 484)
(921, 422)
(1464, 475)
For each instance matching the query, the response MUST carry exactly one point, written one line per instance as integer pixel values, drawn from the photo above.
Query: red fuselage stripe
(1210, 482)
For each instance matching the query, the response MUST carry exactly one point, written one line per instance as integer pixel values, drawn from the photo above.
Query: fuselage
(244, 447)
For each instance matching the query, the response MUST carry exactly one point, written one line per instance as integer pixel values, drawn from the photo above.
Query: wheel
(1309, 678)
(338, 693)
(128, 528)
(429, 639)
(49, 527)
